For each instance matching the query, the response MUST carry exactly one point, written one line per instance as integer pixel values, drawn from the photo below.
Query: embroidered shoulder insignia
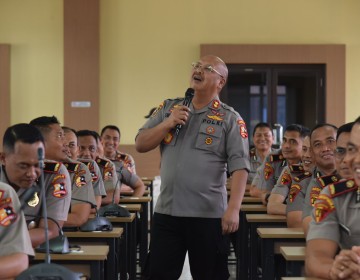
(52, 167)
(7, 216)
(302, 176)
(323, 207)
(286, 178)
(120, 157)
(294, 191)
(268, 171)
(342, 187)
(102, 162)
(72, 166)
(326, 180)
(276, 157)
(314, 194)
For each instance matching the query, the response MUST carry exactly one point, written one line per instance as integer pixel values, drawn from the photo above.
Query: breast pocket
(209, 137)
(348, 238)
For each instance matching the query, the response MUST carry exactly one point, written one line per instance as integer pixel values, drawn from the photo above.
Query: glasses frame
(209, 68)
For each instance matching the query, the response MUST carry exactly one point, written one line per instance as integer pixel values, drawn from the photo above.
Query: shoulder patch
(302, 176)
(80, 179)
(286, 178)
(323, 207)
(72, 166)
(242, 127)
(102, 162)
(294, 191)
(51, 167)
(268, 171)
(342, 187)
(7, 216)
(314, 194)
(326, 180)
(58, 183)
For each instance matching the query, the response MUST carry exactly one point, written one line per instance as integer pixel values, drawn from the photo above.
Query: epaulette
(276, 157)
(342, 187)
(72, 166)
(302, 176)
(296, 168)
(120, 157)
(102, 162)
(252, 153)
(328, 179)
(51, 167)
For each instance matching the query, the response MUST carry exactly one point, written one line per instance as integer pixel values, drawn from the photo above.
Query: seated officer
(334, 222)
(15, 241)
(79, 174)
(20, 169)
(71, 143)
(88, 150)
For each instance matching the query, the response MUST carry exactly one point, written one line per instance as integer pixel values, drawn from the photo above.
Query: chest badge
(34, 201)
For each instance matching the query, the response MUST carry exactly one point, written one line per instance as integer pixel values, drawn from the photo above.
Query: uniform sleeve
(82, 186)
(156, 118)
(312, 192)
(110, 177)
(283, 184)
(128, 178)
(13, 230)
(296, 196)
(256, 179)
(98, 183)
(324, 222)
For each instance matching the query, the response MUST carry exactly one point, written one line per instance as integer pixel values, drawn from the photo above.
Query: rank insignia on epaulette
(72, 166)
(215, 104)
(268, 171)
(277, 157)
(294, 191)
(120, 157)
(342, 187)
(286, 179)
(7, 216)
(51, 167)
(102, 162)
(323, 207)
(296, 168)
(314, 193)
(303, 176)
(326, 180)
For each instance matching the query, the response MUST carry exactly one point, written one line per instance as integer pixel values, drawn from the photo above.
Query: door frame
(333, 56)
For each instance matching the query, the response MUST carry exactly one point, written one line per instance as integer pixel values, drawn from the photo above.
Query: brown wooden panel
(333, 56)
(4, 87)
(147, 164)
(81, 62)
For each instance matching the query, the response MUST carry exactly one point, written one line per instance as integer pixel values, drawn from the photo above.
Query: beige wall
(147, 46)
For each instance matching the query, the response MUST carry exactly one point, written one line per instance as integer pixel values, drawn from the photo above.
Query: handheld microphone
(189, 94)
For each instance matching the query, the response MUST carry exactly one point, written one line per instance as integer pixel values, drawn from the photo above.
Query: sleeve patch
(59, 186)
(243, 130)
(294, 191)
(268, 171)
(286, 179)
(314, 193)
(80, 179)
(7, 216)
(323, 207)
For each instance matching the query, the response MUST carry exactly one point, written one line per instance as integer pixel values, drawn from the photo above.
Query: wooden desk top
(130, 193)
(300, 278)
(293, 253)
(253, 207)
(122, 219)
(258, 218)
(287, 233)
(132, 207)
(115, 233)
(131, 199)
(147, 179)
(87, 252)
(250, 199)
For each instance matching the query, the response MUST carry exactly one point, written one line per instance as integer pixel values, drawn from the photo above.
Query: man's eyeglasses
(206, 68)
(340, 152)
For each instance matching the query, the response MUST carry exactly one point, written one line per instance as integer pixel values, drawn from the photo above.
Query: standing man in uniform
(20, 169)
(192, 213)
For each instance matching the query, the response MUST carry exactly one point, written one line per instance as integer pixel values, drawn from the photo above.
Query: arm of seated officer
(346, 265)
(12, 265)
(276, 204)
(109, 197)
(294, 219)
(305, 224)
(79, 215)
(149, 138)
(139, 188)
(37, 235)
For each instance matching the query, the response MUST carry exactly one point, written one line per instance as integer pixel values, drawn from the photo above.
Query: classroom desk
(129, 247)
(269, 236)
(132, 207)
(255, 221)
(116, 262)
(250, 199)
(144, 218)
(295, 258)
(92, 257)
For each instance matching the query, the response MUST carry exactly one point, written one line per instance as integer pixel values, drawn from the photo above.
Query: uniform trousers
(202, 238)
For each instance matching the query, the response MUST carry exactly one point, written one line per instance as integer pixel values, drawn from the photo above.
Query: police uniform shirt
(285, 180)
(96, 177)
(108, 173)
(57, 192)
(270, 170)
(80, 177)
(126, 159)
(194, 162)
(336, 215)
(255, 162)
(14, 235)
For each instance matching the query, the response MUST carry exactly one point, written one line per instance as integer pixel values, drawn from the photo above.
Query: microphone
(114, 209)
(189, 94)
(97, 223)
(46, 270)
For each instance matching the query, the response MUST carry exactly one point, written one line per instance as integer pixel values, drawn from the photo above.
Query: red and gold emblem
(208, 141)
(243, 130)
(323, 207)
(7, 216)
(286, 179)
(210, 130)
(268, 171)
(314, 193)
(80, 179)
(294, 190)
(59, 186)
(215, 104)
(168, 138)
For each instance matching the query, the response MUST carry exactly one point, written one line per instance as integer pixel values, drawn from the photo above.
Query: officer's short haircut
(86, 132)
(113, 127)
(21, 132)
(323, 125)
(344, 128)
(43, 123)
(68, 129)
(303, 130)
(260, 125)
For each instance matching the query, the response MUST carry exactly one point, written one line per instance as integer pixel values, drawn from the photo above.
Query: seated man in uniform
(334, 222)
(20, 169)
(80, 177)
(15, 241)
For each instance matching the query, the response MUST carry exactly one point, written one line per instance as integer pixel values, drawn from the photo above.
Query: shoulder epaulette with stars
(328, 179)
(276, 157)
(120, 157)
(302, 176)
(102, 162)
(296, 168)
(52, 167)
(72, 166)
(342, 187)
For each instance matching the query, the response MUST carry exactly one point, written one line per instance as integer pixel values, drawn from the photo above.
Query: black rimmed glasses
(205, 68)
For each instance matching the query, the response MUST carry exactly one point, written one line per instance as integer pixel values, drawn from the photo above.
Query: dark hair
(98, 138)
(344, 128)
(262, 124)
(320, 125)
(303, 130)
(86, 132)
(68, 129)
(21, 132)
(43, 123)
(113, 127)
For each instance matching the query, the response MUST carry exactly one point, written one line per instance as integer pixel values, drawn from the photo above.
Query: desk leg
(111, 264)
(253, 251)
(293, 268)
(242, 265)
(143, 246)
(267, 259)
(132, 250)
(97, 270)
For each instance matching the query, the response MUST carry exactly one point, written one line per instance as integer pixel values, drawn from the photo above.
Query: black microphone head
(189, 93)
(40, 153)
(113, 210)
(48, 271)
(97, 224)
(57, 245)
